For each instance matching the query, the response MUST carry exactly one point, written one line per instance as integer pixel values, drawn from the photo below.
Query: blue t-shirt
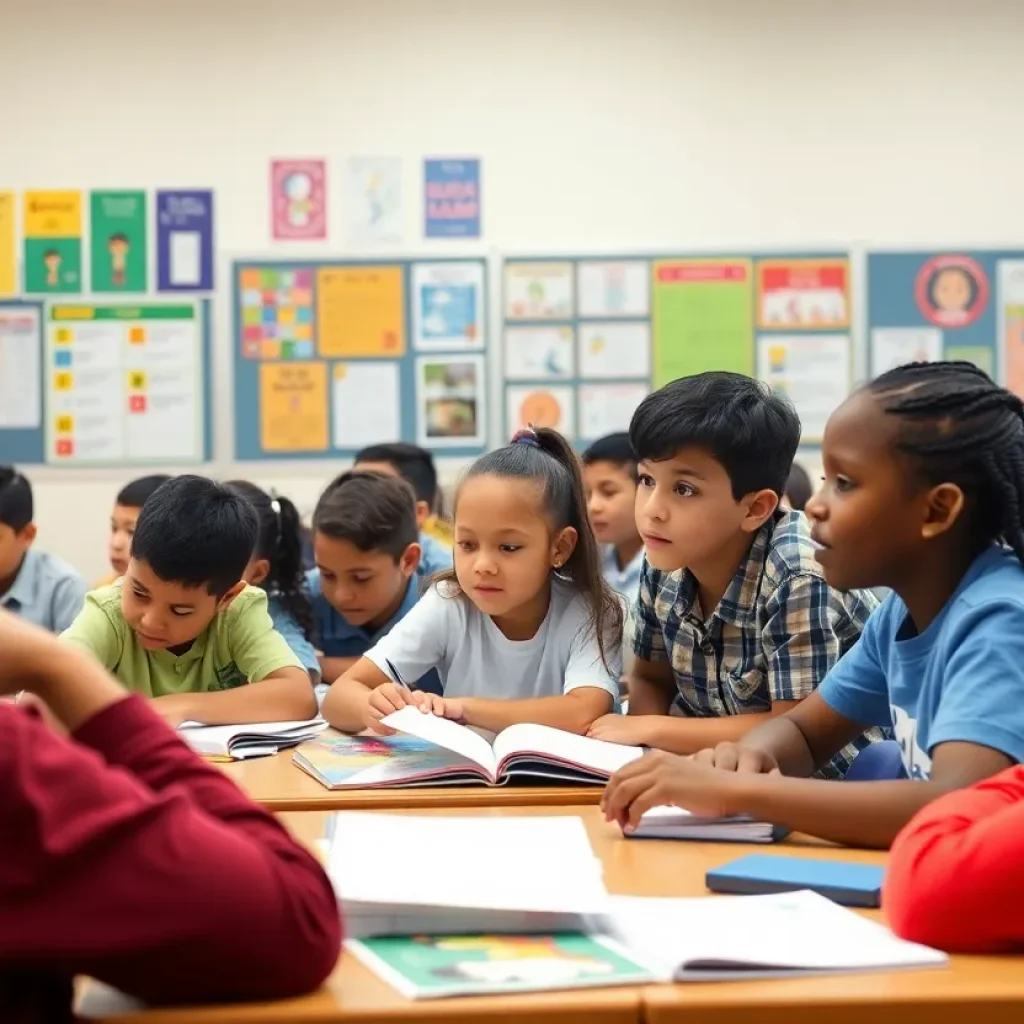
(961, 680)
(435, 557)
(288, 627)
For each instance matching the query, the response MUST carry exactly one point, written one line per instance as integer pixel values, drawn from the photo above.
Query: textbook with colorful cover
(432, 751)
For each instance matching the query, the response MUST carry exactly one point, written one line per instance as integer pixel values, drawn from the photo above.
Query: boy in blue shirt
(735, 622)
(33, 584)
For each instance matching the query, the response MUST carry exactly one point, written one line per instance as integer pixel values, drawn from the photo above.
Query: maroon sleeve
(140, 865)
(954, 872)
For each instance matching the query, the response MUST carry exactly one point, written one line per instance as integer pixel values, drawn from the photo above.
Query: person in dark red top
(126, 858)
(954, 872)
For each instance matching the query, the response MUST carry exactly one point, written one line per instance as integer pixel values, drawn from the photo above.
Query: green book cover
(431, 967)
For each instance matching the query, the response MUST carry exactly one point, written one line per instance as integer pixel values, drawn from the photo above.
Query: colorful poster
(894, 346)
(703, 317)
(814, 371)
(372, 200)
(980, 355)
(608, 408)
(8, 246)
(951, 290)
(451, 200)
(616, 288)
(52, 225)
(360, 311)
(450, 402)
(117, 229)
(366, 403)
(613, 350)
(184, 240)
(298, 199)
(539, 291)
(293, 407)
(803, 294)
(277, 312)
(540, 405)
(539, 353)
(1011, 324)
(21, 361)
(124, 383)
(448, 305)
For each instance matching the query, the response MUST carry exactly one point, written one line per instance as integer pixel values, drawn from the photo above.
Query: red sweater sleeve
(140, 865)
(954, 871)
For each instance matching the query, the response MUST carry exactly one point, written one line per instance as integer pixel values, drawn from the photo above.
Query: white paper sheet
(894, 346)
(539, 291)
(539, 353)
(21, 390)
(611, 350)
(614, 288)
(541, 406)
(366, 403)
(608, 408)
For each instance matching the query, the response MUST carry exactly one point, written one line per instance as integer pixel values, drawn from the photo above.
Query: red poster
(803, 294)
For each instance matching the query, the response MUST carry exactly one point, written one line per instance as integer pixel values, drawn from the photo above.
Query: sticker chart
(333, 356)
(585, 339)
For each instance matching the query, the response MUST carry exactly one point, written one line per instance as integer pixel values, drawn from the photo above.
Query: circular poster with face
(951, 291)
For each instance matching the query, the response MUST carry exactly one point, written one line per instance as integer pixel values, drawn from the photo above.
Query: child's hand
(431, 704)
(632, 732)
(173, 708)
(659, 779)
(734, 757)
(383, 701)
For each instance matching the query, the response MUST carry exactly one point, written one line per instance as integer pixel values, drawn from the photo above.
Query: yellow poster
(53, 214)
(8, 252)
(293, 407)
(360, 311)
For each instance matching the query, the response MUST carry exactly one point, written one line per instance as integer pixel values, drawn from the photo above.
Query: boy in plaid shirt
(734, 620)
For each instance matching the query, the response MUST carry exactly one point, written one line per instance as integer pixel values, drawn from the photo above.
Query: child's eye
(510, 549)
(465, 545)
(844, 483)
(181, 612)
(684, 490)
(644, 480)
(362, 579)
(329, 576)
(138, 595)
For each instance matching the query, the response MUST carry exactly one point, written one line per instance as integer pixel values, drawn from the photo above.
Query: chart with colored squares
(331, 356)
(586, 338)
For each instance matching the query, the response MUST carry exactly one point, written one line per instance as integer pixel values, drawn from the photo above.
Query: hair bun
(527, 435)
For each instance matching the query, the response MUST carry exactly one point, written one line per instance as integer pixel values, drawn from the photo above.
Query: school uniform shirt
(961, 680)
(435, 557)
(624, 581)
(474, 658)
(953, 875)
(128, 859)
(46, 592)
(285, 623)
(239, 646)
(775, 634)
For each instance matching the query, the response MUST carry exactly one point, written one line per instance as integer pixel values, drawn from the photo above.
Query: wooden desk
(277, 784)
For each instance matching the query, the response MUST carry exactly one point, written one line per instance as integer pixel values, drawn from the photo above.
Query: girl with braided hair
(923, 494)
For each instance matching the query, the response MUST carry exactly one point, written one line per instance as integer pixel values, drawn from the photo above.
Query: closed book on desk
(675, 823)
(851, 884)
(434, 751)
(258, 739)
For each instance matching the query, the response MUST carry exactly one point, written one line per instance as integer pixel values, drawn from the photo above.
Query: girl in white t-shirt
(524, 629)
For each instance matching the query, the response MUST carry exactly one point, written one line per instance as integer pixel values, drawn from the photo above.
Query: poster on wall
(540, 405)
(539, 291)
(448, 305)
(1011, 323)
(52, 226)
(951, 290)
(372, 200)
(608, 408)
(293, 407)
(360, 311)
(298, 199)
(21, 351)
(184, 240)
(539, 353)
(894, 346)
(613, 350)
(450, 402)
(803, 294)
(8, 246)
(365, 403)
(118, 241)
(451, 198)
(612, 288)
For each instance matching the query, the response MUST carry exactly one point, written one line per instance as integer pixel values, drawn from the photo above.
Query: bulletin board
(88, 383)
(948, 304)
(331, 356)
(586, 337)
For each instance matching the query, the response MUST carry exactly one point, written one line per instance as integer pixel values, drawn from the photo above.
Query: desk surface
(277, 784)
(991, 987)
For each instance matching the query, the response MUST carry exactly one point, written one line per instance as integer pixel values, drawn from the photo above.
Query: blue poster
(451, 199)
(184, 240)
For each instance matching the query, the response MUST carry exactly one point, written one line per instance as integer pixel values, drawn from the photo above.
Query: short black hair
(196, 532)
(613, 448)
(373, 511)
(411, 462)
(16, 509)
(136, 493)
(798, 487)
(751, 431)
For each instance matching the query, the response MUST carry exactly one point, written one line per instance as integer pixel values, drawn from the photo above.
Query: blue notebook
(852, 885)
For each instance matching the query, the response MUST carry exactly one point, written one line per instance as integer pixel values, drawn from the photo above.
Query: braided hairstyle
(960, 427)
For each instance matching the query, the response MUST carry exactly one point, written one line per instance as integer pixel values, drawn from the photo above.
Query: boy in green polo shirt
(181, 626)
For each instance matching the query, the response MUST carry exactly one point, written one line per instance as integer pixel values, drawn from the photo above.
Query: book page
(445, 733)
(562, 746)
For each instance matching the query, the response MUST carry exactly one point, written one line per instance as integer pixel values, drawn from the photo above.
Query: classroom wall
(603, 125)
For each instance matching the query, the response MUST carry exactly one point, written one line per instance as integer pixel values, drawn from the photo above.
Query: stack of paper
(408, 875)
(675, 823)
(254, 740)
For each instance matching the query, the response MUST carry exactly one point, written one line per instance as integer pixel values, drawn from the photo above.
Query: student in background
(798, 489)
(924, 486)
(415, 465)
(127, 506)
(735, 622)
(127, 859)
(609, 477)
(33, 584)
(276, 568)
(369, 572)
(524, 629)
(183, 627)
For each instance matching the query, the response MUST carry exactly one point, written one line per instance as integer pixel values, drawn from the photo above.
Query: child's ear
(760, 506)
(410, 559)
(564, 546)
(422, 514)
(227, 598)
(259, 570)
(27, 534)
(945, 502)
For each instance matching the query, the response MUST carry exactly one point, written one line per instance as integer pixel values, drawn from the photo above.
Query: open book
(253, 740)
(437, 751)
(676, 823)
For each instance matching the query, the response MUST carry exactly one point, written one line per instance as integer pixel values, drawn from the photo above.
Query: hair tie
(526, 437)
